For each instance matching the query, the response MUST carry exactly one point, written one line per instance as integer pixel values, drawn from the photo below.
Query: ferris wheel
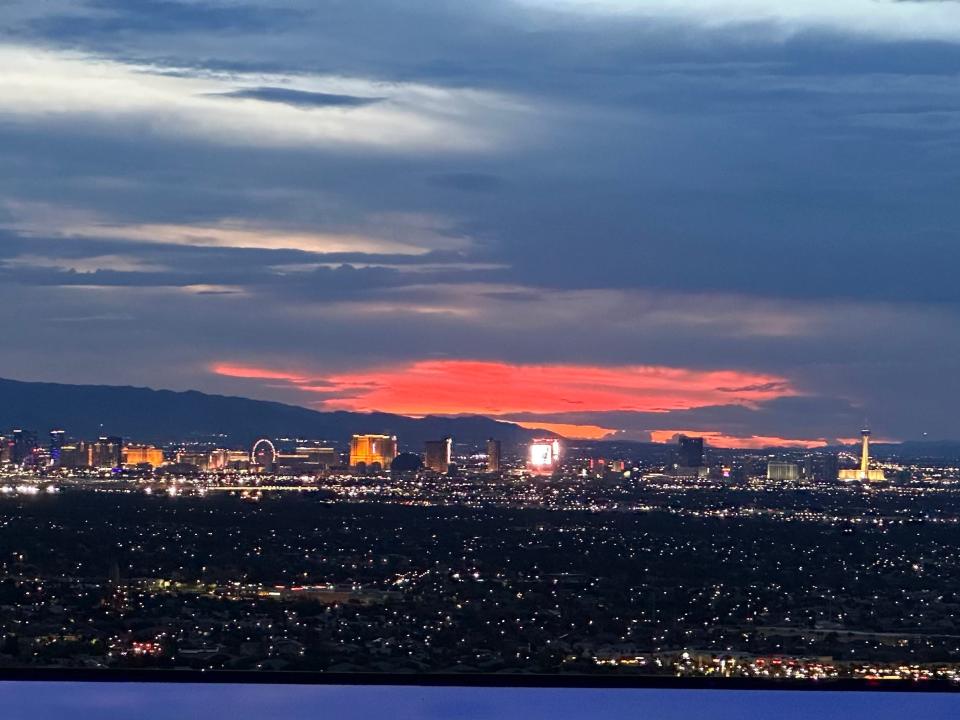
(263, 454)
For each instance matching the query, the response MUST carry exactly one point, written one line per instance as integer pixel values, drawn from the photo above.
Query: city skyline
(24, 450)
(733, 219)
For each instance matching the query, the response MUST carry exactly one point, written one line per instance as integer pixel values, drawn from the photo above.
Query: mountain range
(146, 415)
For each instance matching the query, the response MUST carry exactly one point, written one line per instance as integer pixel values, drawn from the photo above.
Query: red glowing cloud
(242, 371)
(449, 387)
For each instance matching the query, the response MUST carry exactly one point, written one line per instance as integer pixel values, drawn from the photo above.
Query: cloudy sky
(736, 217)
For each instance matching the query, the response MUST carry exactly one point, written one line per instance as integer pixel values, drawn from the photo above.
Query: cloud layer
(509, 207)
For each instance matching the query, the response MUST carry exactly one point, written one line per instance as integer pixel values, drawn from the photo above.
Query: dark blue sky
(328, 197)
(93, 701)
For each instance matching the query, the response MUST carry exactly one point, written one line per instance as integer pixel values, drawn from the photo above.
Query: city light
(544, 455)
(677, 522)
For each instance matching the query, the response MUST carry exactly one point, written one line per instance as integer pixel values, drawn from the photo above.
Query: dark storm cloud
(93, 19)
(300, 98)
(467, 181)
(739, 197)
(288, 275)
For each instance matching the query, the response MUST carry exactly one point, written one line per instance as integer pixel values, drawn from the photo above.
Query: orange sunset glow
(749, 442)
(449, 387)
(567, 430)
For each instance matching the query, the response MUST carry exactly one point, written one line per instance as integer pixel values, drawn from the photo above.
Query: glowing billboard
(544, 455)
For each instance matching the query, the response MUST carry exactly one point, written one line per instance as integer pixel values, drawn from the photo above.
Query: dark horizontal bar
(492, 680)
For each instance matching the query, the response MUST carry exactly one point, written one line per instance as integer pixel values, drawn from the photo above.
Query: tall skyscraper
(865, 452)
(75, 455)
(824, 467)
(690, 451)
(783, 471)
(493, 455)
(22, 445)
(142, 455)
(370, 452)
(107, 452)
(57, 438)
(863, 473)
(438, 454)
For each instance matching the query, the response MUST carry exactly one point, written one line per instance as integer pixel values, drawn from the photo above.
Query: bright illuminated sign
(544, 454)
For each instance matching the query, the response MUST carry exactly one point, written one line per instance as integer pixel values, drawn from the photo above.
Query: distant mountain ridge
(148, 415)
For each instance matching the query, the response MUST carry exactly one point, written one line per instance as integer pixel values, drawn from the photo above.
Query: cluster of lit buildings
(690, 464)
(828, 466)
(22, 448)
(371, 454)
(368, 454)
(376, 453)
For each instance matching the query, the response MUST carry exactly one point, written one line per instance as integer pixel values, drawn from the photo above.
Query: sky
(618, 218)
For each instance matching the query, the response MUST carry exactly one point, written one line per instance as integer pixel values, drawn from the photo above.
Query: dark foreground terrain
(297, 581)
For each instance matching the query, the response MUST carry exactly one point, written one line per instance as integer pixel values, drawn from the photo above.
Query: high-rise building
(235, 459)
(307, 460)
(22, 444)
(217, 459)
(106, 452)
(142, 455)
(783, 471)
(823, 467)
(200, 459)
(690, 451)
(863, 473)
(438, 454)
(75, 455)
(57, 438)
(326, 457)
(372, 452)
(544, 456)
(493, 455)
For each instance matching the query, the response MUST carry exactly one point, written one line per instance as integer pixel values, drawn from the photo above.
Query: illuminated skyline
(613, 219)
